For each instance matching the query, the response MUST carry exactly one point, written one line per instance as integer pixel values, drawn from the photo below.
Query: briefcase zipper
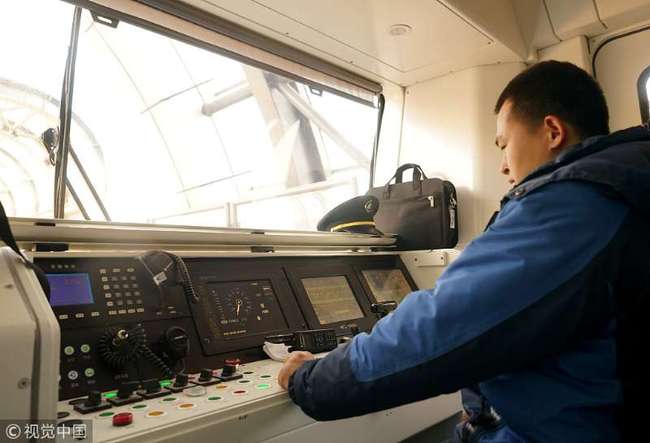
(452, 212)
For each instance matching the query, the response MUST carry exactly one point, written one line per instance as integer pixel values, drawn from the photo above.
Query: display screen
(332, 299)
(70, 289)
(243, 308)
(387, 284)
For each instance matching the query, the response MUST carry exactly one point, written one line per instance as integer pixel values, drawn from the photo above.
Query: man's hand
(295, 360)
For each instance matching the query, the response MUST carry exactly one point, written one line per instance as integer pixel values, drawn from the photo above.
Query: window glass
(35, 36)
(176, 134)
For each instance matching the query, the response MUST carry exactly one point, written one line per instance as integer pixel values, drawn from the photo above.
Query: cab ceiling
(445, 35)
(356, 34)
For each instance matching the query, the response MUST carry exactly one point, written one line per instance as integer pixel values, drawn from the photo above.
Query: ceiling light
(399, 29)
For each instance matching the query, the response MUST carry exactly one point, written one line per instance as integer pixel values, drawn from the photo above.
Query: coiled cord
(119, 347)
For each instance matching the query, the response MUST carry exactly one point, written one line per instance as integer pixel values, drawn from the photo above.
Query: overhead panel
(358, 34)
(617, 13)
(577, 17)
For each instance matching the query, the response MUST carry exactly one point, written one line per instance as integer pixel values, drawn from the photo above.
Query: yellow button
(186, 406)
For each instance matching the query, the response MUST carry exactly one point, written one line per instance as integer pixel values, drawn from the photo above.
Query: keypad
(121, 294)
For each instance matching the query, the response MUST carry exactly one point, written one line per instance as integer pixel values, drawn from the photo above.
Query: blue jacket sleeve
(511, 298)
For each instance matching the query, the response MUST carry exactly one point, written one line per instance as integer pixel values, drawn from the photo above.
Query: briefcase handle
(418, 173)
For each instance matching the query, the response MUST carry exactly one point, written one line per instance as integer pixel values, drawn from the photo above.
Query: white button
(121, 311)
(130, 269)
(102, 271)
(68, 350)
(85, 348)
(94, 314)
(63, 316)
(109, 303)
(104, 278)
(112, 312)
(106, 286)
(79, 315)
(116, 270)
(89, 372)
(108, 295)
(131, 311)
(140, 310)
(73, 375)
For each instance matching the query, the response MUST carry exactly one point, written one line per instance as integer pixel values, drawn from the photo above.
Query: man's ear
(556, 131)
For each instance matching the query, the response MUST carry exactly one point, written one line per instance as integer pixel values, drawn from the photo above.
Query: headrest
(355, 215)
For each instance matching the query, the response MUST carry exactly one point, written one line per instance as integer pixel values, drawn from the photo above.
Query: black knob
(181, 380)
(151, 386)
(206, 375)
(125, 391)
(94, 398)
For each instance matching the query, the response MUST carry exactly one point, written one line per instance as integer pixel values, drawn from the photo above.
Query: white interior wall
(574, 50)
(618, 67)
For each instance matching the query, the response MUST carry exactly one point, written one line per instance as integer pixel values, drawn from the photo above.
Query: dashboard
(235, 304)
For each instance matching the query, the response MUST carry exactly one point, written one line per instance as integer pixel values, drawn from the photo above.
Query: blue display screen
(70, 289)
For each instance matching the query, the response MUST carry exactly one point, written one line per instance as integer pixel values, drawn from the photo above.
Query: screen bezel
(236, 270)
(393, 263)
(297, 273)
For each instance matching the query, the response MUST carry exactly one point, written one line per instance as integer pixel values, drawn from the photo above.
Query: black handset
(167, 269)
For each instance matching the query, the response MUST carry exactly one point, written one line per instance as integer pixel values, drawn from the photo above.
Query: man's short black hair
(561, 89)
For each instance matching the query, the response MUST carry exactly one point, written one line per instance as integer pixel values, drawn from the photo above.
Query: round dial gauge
(237, 304)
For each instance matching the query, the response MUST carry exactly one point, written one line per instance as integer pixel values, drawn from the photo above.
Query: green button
(106, 414)
(140, 406)
(68, 350)
(215, 398)
(110, 394)
(169, 399)
(165, 383)
(265, 376)
(263, 386)
(85, 349)
(89, 372)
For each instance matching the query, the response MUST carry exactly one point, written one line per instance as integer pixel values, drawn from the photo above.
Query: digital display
(70, 289)
(387, 284)
(243, 308)
(332, 299)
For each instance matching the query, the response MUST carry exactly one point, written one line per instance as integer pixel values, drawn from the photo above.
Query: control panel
(130, 327)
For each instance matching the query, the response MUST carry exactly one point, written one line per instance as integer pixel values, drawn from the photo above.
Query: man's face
(524, 148)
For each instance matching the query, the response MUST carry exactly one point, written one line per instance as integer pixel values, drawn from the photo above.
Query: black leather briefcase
(423, 213)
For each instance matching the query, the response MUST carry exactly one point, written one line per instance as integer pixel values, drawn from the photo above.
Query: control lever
(229, 370)
(311, 340)
(206, 378)
(152, 389)
(93, 403)
(180, 382)
(382, 309)
(125, 395)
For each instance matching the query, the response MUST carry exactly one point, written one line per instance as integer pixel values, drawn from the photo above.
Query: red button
(122, 419)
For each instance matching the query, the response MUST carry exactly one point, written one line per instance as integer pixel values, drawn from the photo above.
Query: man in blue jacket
(541, 320)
